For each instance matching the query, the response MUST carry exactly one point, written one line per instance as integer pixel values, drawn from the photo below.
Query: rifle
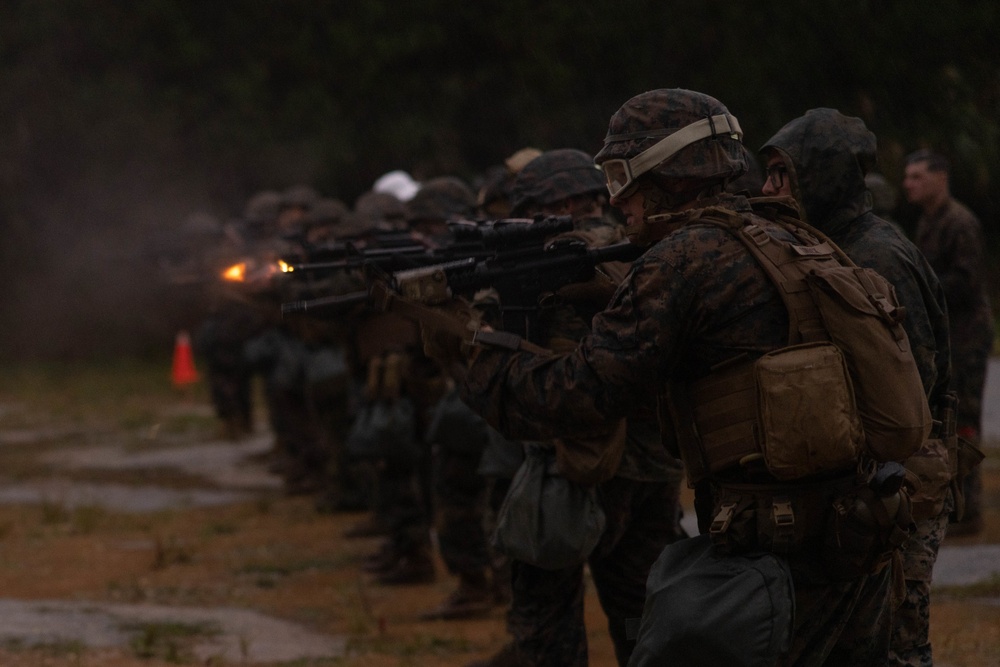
(465, 239)
(520, 277)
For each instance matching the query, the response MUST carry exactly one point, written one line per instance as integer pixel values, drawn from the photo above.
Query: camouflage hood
(827, 154)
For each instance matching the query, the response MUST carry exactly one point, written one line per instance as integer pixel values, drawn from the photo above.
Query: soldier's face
(633, 206)
(923, 186)
(777, 183)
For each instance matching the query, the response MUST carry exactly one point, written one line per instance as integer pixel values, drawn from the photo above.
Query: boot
(415, 567)
(373, 526)
(501, 586)
(471, 599)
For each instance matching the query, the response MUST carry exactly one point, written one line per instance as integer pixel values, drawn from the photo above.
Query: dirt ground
(273, 554)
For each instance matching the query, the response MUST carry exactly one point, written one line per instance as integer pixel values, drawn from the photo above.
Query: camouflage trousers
(230, 391)
(911, 643)
(546, 617)
(403, 500)
(460, 497)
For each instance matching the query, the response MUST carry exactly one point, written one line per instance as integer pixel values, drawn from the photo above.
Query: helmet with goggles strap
(673, 133)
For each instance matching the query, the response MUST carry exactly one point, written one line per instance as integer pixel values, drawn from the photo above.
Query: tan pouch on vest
(932, 469)
(808, 420)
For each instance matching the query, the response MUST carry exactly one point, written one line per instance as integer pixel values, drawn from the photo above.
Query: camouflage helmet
(554, 176)
(709, 150)
(327, 212)
(520, 158)
(493, 186)
(378, 210)
(299, 196)
(440, 199)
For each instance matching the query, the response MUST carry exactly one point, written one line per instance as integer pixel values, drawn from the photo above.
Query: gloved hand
(445, 346)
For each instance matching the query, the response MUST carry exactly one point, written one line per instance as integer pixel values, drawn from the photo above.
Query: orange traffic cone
(184, 372)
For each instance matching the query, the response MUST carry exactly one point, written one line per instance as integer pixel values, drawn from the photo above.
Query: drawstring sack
(547, 520)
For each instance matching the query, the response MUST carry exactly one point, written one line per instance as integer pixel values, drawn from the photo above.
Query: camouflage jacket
(951, 239)
(694, 300)
(644, 458)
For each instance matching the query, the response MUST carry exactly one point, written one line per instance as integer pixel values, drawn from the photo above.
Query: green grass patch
(126, 393)
(413, 649)
(55, 649)
(171, 641)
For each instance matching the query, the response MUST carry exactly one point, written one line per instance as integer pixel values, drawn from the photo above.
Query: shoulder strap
(786, 265)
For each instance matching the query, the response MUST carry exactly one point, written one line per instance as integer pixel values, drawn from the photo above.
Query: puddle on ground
(234, 636)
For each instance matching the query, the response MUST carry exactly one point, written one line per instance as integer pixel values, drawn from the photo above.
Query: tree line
(117, 119)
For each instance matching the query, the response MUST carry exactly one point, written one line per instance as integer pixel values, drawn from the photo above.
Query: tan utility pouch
(932, 469)
(793, 409)
(807, 416)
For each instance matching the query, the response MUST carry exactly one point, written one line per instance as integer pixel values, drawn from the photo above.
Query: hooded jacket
(827, 154)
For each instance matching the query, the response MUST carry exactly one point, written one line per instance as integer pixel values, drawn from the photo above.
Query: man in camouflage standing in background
(951, 238)
(640, 500)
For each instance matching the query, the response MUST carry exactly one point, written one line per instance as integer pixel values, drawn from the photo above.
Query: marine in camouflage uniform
(696, 299)
(236, 317)
(328, 378)
(281, 354)
(641, 500)
(820, 159)
(473, 464)
(405, 482)
(493, 195)
(951, 238)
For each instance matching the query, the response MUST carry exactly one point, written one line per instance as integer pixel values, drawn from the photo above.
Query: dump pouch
(704, 610)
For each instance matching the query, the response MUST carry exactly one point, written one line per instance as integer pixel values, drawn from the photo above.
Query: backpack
(845, 387)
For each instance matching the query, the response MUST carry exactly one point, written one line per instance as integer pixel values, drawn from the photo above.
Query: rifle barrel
(324, 302)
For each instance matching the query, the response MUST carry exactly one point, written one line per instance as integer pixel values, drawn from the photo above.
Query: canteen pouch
(968, 457)
(932, 477)
(866, 529)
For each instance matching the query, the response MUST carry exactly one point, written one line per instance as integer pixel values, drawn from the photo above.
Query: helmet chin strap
(659, 204)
